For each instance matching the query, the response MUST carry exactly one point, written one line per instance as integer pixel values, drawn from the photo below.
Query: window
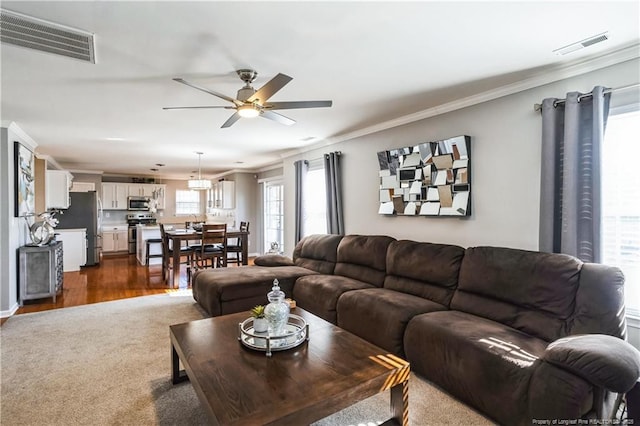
(273, 215)
(621, 202)
(187, 202)
(315, 200)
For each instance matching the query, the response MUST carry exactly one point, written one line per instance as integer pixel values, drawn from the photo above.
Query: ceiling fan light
(248, 111)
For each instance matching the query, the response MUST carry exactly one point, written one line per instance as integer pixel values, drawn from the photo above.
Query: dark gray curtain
(333, 179)
(570, 195)
(301, 172)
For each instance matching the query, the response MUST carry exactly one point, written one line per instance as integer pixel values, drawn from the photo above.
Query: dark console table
(40, 271)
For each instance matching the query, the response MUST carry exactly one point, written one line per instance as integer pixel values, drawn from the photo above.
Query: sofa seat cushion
(319, 294)
(223, 291)
(380, 315)
(481, 362)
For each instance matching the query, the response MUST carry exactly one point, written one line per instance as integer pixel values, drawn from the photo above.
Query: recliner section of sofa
(420, 277)
(508, 306)
(360, 264)
(529, 291)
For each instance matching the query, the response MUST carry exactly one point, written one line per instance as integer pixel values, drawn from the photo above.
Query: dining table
(177, 236)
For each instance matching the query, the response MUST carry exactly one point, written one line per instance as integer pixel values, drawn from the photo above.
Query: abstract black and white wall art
(24, 180)
(428, 179)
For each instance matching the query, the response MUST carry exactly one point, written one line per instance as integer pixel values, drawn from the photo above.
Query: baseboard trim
(10, 312)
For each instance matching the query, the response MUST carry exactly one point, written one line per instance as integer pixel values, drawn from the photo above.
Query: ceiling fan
(250, 102)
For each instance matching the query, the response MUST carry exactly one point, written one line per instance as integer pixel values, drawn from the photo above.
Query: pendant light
(199, 184)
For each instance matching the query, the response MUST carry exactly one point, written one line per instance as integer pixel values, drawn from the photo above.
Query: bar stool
(149, 242)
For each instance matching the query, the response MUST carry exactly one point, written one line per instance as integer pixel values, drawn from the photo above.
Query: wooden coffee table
(241, 386)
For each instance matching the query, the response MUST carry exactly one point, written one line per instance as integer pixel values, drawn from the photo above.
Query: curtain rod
(538, 107)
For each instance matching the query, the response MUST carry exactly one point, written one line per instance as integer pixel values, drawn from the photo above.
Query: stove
(138, 218)
(141, 218)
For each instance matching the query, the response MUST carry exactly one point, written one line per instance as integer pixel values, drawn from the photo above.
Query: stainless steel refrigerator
(85, 211)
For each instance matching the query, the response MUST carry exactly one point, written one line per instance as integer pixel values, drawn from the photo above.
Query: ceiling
(376, 61)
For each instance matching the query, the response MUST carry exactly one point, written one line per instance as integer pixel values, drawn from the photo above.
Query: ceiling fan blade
(211, 92)
(235, 117)
(269, 89)
(277, 117)
(199, 107)
(301, 104)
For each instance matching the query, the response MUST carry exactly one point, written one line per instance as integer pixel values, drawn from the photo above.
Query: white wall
(505, 154)
(13, 230)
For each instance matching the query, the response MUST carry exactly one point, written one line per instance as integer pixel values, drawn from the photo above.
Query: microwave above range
(138, 203)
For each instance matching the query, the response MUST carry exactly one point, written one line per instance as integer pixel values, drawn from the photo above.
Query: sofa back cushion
(531, 291)
(425, 270)
(363, 258)
(317, 252)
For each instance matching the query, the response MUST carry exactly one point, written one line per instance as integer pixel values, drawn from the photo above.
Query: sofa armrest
(605, 361)
(273, 260)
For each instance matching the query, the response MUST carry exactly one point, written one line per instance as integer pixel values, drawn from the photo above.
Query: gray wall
(505, 149)
(246, 205)
(505, 152)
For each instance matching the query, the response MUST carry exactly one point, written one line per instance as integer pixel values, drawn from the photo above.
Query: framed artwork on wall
(24, 180)
(428, 179)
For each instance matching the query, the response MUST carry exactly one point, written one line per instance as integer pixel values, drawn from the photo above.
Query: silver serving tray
(296, 332)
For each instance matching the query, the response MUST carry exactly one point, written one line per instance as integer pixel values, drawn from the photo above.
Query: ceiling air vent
(33, 33)
(582, 44)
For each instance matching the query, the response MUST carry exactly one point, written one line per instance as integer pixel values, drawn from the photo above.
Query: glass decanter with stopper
(277, 311)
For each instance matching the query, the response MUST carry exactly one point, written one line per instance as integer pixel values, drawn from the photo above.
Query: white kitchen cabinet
(222, 195)
(115, 239)
(57, 185)
(75, 248)
(82, 186)
(114, 195)
(140, 190)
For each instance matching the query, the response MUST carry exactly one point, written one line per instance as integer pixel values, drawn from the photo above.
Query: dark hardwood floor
(117, 277)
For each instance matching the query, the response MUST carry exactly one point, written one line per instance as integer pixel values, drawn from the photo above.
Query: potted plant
(260, 324)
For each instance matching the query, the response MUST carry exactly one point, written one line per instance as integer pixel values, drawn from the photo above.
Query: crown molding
(50, 162)
(24, 137)
(87, 172)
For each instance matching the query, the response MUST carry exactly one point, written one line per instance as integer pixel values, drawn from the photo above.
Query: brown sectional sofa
(518, 335)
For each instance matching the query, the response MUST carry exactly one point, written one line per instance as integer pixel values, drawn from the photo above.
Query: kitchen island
(144, 233)
(75, 248)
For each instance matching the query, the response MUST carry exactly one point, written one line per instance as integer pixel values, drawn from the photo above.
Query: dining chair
(167, 255)
(213, 247)
(234, 249)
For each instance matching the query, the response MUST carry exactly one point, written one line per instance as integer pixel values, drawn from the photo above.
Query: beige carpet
(109, 364)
